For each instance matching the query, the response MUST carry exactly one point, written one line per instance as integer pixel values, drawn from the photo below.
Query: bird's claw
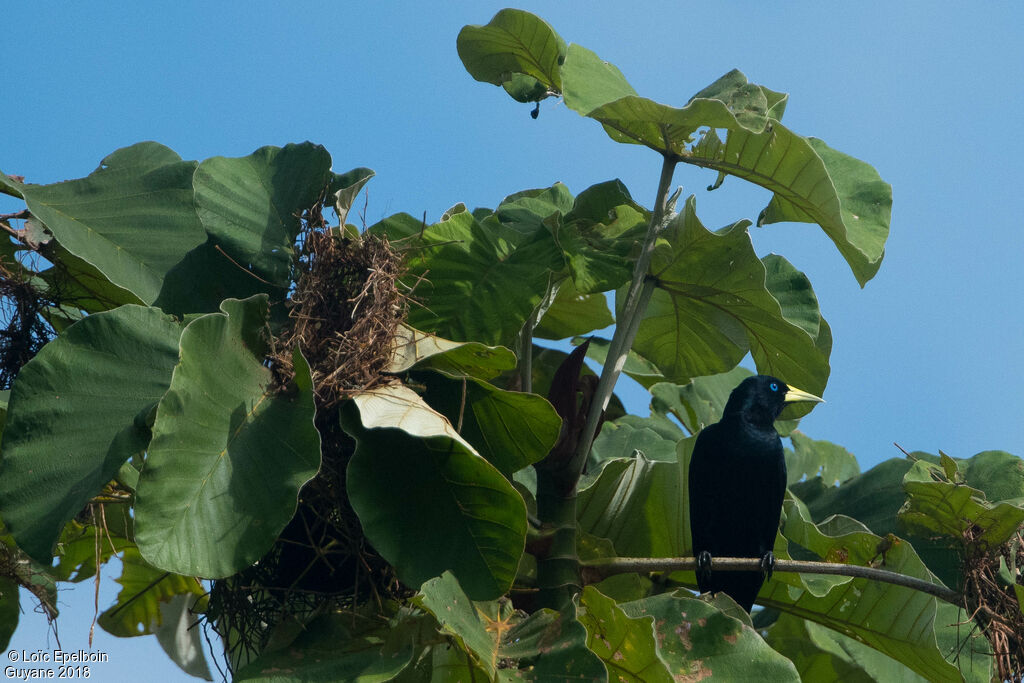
(768, 564)
(704, 566)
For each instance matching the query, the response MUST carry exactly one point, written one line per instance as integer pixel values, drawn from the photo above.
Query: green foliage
(223, 425)
(172, 418)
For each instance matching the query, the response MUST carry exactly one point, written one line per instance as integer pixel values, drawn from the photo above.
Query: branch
(601, 569)
(627, 319)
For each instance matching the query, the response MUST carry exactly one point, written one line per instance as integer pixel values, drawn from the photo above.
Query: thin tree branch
(600, 569)
(628, 319)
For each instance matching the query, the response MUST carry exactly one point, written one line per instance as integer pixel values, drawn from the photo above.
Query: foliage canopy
(344, 451)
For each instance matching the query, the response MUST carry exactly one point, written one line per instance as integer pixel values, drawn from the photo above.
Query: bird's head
(761, 398)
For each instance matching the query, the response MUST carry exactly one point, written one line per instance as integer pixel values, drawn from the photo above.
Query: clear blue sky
(928, 354)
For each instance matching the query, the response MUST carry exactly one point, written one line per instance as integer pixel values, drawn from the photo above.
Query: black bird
(737, 483)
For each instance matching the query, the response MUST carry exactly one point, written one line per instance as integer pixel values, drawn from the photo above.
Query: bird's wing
(703, 483)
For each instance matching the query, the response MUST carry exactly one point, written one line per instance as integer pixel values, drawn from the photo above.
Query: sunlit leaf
(426, 500)
(251, 205)
(711, 307)
(133, 218)
(513, 42)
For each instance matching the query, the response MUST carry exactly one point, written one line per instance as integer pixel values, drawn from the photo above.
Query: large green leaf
(627, 645)
(133, 218)
(711, 306)
(812, 183)
(206, 277)
(144, 589)
(600, 237)
(476, 282)
(423, 351)
(823, 655)
(898, 621)
(699, 641)
(937, 506)
(811, 458)
(76, 282)
(638, 504)
(78, 411)
(251, 205)
(619, 440)
(229, 450)
(495, 638)
(326, 652)
(468, 622)
(510, 429)
(426, 500)
(550, 647)
(572, 314)
(698, 403)
(181, 637)
(514, 42)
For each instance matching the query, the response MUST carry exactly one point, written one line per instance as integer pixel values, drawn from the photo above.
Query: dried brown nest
(993, 604)
(343, 315)
(344, 312)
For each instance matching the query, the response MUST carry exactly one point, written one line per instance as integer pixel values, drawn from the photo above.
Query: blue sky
(928, 354)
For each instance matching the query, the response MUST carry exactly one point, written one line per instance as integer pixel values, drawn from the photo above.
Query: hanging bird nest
(343, 315)
(993, 604)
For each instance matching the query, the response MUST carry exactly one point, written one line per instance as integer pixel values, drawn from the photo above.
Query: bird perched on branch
(737, 483)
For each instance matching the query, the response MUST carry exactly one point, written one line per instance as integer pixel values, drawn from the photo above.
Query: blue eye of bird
(773, 386)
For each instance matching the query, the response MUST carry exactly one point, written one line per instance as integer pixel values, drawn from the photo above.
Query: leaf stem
(526, 354)
(628, 319)
(600, 569)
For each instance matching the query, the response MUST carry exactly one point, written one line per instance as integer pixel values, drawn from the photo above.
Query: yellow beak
(795, 395)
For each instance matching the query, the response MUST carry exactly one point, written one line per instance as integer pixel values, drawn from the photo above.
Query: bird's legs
(768, 564)
(704, 567)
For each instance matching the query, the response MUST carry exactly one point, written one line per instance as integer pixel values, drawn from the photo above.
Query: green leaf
(315, 656)
(206, 277)
(511, 429)
(573, 314)
(251, 205)
(422, 351)
(80, 284)
(625, 644)
(711, 306)
(77, 413)
(180, 636)
(936, 506)
(229, 451)
(821, 654)
(813, 184)
(528, 211)
(144, 588)
(345, 187)
(899, 622)
(637, 367)
(550, 647)
(622, 440)
(10, 603)
(822, 459)
(589, 81)
(444, 598)
(699, 641)
(513, 42)
(10, 186)
(698, 403)
(426, 500)
(479, 282)
(133, 218)
(638, 504)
